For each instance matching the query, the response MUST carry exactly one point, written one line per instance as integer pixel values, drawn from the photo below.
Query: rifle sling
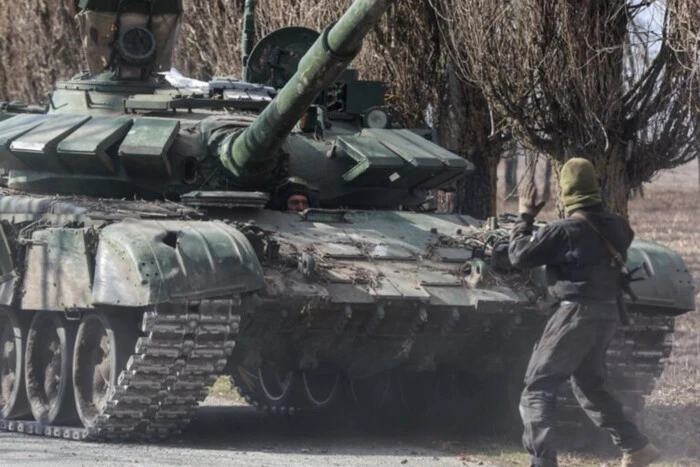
(617, 257)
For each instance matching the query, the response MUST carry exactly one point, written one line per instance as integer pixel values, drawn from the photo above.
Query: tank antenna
(248, 41)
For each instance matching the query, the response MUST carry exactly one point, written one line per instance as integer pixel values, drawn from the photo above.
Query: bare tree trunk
(450, 121)
(614, 181)
(547, 190)
(478, 196)
(511, 173)
(556, 166)
(464, 126)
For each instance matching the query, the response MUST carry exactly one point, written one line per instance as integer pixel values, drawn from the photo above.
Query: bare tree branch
(587, 78)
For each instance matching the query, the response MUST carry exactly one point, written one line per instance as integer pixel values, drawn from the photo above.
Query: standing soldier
(585, 278)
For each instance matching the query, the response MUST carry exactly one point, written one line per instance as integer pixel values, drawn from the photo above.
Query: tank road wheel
(417, 390)
(321, 387)
(13, 395)
(279, 387)
(101, 353)
(49, 362)
(372, 392)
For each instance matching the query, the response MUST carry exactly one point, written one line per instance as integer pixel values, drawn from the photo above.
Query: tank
(278, 230)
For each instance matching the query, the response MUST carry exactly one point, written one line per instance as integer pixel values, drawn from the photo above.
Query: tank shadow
(242, 428)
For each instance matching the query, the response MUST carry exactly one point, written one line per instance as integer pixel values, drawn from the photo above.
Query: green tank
(151, 242)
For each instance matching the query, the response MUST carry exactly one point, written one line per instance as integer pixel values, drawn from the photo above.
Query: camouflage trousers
(573, 346)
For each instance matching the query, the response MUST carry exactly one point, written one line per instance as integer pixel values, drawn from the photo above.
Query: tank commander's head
(295, 195)
(297, 202)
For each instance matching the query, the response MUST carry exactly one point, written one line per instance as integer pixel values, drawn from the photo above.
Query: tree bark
(547, 190)
(464, 127)
(556, 166)
(478, 196)
(614, 182)
(511, 174)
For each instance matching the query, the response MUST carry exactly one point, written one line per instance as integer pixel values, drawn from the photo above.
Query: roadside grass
(223, 392)
(670, 215)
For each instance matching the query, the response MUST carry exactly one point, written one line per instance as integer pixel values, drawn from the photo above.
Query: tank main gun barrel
(251, 156)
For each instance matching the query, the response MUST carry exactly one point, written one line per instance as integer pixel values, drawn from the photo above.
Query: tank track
(635, 360)
(183, 349)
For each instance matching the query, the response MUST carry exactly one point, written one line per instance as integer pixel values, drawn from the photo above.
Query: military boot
(642, 457)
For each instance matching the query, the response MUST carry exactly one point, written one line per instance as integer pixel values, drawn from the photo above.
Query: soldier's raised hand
(529, 203)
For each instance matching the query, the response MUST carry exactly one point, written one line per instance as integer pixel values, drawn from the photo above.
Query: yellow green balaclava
(579, 185)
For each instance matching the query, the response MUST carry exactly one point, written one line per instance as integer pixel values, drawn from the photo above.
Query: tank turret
(251, 155)
(126, 129)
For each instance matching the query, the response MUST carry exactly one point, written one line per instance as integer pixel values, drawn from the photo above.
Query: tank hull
(305, 311)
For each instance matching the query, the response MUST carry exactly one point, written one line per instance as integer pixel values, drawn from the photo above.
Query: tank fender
(667, 284)
(57, 274)
(141, 263)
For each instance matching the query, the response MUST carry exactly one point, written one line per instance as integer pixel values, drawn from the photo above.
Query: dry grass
(223, 393)
(669, 214)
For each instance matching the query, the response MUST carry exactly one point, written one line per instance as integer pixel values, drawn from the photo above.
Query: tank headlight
(136, 46)
(376, 118)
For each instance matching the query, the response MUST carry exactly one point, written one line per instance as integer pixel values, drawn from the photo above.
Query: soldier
(298, 202)
(294, 195)
(585, 280)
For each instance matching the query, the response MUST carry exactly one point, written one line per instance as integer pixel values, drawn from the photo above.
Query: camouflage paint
(251, 156)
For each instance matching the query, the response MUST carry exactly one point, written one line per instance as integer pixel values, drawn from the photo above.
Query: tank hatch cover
(399, 159)
(342, 251)
(275, 59)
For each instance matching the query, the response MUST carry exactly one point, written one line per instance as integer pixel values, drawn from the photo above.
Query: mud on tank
(145, 249)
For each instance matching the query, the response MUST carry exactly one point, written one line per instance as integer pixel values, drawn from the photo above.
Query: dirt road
(237, 436)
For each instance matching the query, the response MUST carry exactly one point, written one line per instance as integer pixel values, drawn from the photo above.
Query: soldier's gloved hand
(529, 206)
